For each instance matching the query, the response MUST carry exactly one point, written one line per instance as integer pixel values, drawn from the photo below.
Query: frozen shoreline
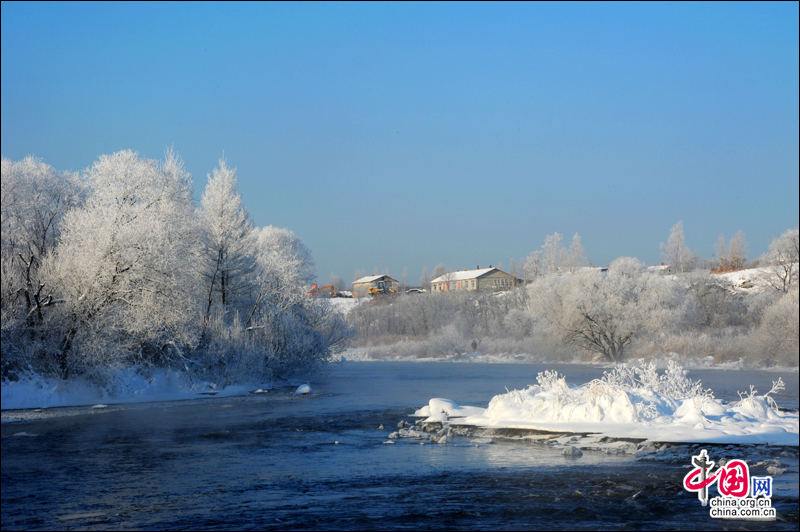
(34, 391)
(361, 354)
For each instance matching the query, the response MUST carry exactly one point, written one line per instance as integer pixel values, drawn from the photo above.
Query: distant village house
(479, 279)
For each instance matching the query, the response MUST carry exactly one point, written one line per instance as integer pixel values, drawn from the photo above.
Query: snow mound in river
(632, 402)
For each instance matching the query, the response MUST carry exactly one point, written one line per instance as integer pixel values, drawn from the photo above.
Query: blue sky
(405, 135)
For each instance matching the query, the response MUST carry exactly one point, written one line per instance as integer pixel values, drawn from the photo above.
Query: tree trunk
(62, 355)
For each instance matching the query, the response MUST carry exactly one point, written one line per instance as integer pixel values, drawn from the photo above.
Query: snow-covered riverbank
(34, 391)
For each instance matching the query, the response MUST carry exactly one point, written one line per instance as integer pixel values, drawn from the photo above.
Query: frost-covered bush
(551, 381)
(624, 394)
(754, 401)
(475, 315)
(673, 382)
(604, 313)
(778, 336)
(715, 306)
(449, 340)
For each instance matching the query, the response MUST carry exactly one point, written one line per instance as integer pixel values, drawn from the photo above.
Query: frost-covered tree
(575, 257)
(440, 270)
(226, 259)
(122, 265)
(604, 313)
(532, 266)
(425, 279)
(34, 200)
(778, 336)
(782, 260)
(118, 269)
(554, 258)
(337, 282)
(284, 269)
(721, 249)
(715, 305)
(675, 252)
(553, 253)
(737, 251)
(295, 333)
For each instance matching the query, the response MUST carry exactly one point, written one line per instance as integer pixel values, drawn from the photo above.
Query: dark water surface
(270, 461)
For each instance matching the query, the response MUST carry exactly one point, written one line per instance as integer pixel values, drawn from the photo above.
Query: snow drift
(630, 402)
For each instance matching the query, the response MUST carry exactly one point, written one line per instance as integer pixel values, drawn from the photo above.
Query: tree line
(116, 267)
(569, 311)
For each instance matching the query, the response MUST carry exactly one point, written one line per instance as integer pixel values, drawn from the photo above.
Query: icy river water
(270, 461)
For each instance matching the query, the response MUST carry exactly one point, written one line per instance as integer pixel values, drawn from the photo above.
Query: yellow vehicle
(379, 288)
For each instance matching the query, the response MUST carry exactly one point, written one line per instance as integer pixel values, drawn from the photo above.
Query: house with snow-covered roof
(478, 279)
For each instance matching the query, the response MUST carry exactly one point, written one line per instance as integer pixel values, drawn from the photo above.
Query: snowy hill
(748, 281)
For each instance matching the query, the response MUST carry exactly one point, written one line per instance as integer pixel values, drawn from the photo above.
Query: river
(272, 461)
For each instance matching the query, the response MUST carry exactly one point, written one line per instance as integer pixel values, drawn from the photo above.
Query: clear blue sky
(392, 135)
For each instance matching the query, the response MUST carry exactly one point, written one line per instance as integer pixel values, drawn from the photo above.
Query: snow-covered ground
(629, 402)
(344, 304)
(34, 391)
(748, 281)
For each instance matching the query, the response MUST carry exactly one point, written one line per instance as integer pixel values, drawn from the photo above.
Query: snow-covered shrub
(778, 336)
(449, 340)
(754, 401)
(715, 305)
(551, 381)
(673, 382)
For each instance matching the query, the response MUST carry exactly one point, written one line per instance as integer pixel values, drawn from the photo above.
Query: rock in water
(572, 451)
(303, 389)
(380, 428)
